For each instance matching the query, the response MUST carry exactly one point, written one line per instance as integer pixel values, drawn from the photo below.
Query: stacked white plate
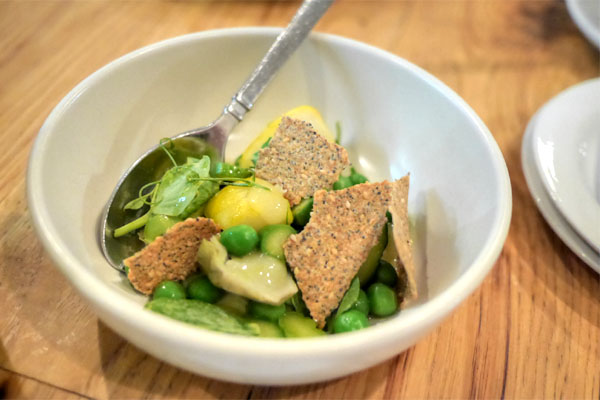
(586, 14)
(561, 162)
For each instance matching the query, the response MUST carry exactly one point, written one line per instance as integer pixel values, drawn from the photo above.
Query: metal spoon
(210, 139)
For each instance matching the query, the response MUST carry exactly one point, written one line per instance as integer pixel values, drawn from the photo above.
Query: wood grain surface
(532, 330)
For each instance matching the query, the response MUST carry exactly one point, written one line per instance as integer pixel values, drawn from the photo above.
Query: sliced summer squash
(256, 276)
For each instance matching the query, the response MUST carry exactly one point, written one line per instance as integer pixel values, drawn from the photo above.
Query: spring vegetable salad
(288, 241)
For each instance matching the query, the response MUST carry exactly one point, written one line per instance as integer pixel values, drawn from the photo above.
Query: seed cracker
(401, 235)
(328, 253)
(171, 256)
(300, 161)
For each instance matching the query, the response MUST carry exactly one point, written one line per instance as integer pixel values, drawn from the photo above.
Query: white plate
(586, 14)
(566, 153)
(546, 206)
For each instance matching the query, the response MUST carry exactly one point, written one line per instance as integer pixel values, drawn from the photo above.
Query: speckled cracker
(171, 256)
(300, 161)
(327, 254)
(402, 242)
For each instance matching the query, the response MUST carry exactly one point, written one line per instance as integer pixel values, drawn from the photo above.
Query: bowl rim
(101, 296)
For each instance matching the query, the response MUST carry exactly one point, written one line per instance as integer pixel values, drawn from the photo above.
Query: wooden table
(531, 330)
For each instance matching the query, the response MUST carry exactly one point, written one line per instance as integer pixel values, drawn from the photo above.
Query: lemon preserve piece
(254, 206)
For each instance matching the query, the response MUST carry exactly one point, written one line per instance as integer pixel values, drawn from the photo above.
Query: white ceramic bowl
(396, 118)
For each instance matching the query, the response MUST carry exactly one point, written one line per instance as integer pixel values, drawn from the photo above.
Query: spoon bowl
(209, 140)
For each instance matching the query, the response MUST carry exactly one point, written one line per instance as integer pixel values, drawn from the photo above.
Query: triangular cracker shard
(343, 227)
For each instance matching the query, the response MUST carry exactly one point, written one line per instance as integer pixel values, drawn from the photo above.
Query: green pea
(386, 273)
(157, 225)
(349, 321)
(239, 240)
(266, 312)
(357, 178)
(169, 290)
(362, 303)
(382, 300)
(201, 288)
(226, 170)
(343, 182)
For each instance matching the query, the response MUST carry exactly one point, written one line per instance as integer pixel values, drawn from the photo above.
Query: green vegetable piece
(357, 178)
(343, 182)
(202, 314)
(169, 290)
(388, 215)
(301, 211)
(226, 170)
(386, 274)
(362, 303)
(203, 193)
(132, 226)
(239, 240)
(126, 270)
(237, 161)
(350, 297)
(198, 213)
(265, 311)
(382, 300)
(267, 329)
(349, 321)
(298, 304)
(255, 155)
(272, 238)
(370, 265)
(157, 225)
(234, 304)
(256, 276)
(201, 288)
(296, 325)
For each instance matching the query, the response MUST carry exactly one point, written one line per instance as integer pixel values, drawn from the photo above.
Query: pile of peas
(379, 300)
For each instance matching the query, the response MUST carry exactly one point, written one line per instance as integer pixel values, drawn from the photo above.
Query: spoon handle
(286, 43)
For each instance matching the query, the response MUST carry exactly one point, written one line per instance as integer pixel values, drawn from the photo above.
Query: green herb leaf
(255, 155)
(202, 314)
(298, 303)
(142, 198)
(237, 161)
(350, 297)
(180, 193)
(136, 203)
(338, 132)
